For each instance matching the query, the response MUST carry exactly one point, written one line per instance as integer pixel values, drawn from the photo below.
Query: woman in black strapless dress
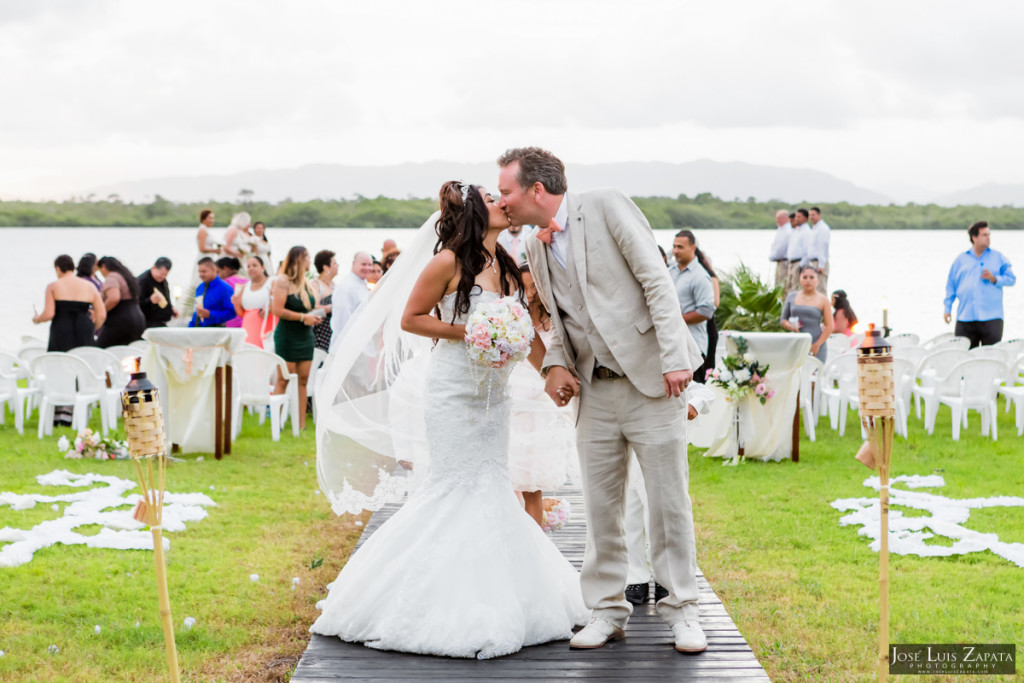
(71, 304)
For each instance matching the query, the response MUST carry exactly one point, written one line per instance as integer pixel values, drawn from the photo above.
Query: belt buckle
(605, 373)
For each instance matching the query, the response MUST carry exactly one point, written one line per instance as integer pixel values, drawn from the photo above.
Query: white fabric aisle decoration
(93, 506)
(907, 535)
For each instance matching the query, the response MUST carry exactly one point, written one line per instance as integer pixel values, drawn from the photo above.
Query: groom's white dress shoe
(689, 637)
(595, 634)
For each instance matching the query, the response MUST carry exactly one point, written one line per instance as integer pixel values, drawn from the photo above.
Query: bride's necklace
(492, 264)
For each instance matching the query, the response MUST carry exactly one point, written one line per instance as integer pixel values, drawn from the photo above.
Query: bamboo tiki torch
(144, 427)
(877, 408)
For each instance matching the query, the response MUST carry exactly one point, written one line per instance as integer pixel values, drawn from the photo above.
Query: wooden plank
(646, 653)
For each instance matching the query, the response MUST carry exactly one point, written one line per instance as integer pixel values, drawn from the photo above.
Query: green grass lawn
(803, 590)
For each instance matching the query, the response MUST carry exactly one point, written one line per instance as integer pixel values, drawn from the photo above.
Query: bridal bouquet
(742, 376)
(499, 332)
(89, 444)
(556, 514)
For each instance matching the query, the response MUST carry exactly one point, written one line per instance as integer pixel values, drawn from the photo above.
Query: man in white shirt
(796, 252)
(349, 293)
(780, 247)
(819, 248)
(513, 240)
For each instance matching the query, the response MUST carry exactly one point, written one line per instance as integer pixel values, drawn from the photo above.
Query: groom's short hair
(537, 165)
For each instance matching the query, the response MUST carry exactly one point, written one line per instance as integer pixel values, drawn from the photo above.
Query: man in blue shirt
(977, 278)
(216, 307)
(696, 295)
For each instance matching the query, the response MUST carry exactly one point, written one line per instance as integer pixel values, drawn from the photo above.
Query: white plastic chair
(839, 343)
(933, 368)
(68, 381)
(810, 396)
(905, 339)
(1014, 347)
(319, 358)
(839, 388)
(938, 339)
(961, 343)
(903, 373)
(27, 354)
(253, 370)
(28, 340)
(1013, 392)
(108, 367)
(915, 354)
(122, 352)
(1001, 355)
(20, 399)
(970, 385)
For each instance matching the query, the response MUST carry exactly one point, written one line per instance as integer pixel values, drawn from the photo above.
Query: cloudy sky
(885, 94)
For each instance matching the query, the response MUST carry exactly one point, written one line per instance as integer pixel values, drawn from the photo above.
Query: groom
(620, 343)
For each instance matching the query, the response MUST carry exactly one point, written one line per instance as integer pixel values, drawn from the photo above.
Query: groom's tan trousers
(613, 416)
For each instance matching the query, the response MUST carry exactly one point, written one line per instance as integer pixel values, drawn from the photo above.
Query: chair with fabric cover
(970, 385)
(932, 368)
(810, 393)
(107, 366)
(905, 339)
(140, 344)
(254, 371)
(67, 380)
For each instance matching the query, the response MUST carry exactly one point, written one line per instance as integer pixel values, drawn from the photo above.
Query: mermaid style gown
(460, 570)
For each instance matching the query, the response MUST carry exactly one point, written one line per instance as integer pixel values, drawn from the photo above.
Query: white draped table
(766, 431)
(188, 367)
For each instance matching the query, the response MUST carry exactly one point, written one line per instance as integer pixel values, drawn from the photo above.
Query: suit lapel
(577, 239)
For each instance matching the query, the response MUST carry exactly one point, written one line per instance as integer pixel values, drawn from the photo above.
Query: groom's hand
(676, 381)
(560, 385)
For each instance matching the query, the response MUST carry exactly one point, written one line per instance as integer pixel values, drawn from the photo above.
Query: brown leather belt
(602, 372)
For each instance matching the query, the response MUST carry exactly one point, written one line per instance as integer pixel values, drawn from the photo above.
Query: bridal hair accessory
(545, 234)
(465, 192)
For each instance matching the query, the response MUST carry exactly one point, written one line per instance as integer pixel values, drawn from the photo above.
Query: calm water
(902, 270)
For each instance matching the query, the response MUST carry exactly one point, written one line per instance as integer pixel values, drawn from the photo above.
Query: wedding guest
(252, 303)
(819, 247)
(237, 240)
(798, 250)
(376, 273)
(513, 240)
(155, 294)
(716, 287)
(779, 253)
(227, 270)
(389, 260)
(349, 293)
(542, 444)
(260, 243)
(809, 311)
(87, 269)
(695, 293)
(205, 245)
(213, 305)
(125, 322)
(327, 269)
(842, 315)
(74, 306)
(977, 278)
(388, 247)
(293, 301)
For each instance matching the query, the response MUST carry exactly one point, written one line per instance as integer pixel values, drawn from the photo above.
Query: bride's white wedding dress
(460, 570)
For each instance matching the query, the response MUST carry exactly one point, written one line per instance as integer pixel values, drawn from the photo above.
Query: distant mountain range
(726, 180)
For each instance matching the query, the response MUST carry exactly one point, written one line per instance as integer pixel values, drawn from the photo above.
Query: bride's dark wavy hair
(461, 228)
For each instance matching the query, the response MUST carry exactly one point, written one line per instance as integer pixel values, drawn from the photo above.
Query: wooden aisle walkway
(646, 654)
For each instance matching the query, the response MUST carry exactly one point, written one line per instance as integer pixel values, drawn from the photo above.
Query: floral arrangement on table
(90, 444)
(742, 376)
(556, 514)
(499, 332)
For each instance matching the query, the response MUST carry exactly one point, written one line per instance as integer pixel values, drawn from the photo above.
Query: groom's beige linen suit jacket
(625, 287)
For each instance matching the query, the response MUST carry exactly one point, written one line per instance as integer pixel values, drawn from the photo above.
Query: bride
(459, 570)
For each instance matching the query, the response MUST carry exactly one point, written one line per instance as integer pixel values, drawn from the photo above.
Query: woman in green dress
(294, 303)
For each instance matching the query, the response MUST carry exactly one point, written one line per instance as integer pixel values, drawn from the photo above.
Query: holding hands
(561, 385)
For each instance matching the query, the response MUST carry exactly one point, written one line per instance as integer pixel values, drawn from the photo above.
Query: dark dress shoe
(636, 593)
(659, 592)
